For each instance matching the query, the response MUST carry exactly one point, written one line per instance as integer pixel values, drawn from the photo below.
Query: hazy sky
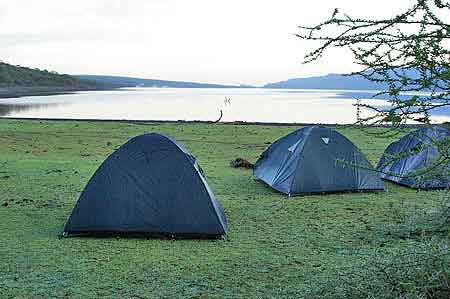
(233, 41)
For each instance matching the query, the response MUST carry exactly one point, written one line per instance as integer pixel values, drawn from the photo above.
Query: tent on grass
(151, 185)
(316, 159)
(413, 160)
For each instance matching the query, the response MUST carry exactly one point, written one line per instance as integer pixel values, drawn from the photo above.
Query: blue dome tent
(316, 159)
(151, 185)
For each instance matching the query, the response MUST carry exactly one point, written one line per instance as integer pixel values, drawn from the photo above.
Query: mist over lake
(249, 105)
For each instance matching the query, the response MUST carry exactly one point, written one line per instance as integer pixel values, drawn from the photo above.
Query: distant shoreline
(236, 123)
(18, 92)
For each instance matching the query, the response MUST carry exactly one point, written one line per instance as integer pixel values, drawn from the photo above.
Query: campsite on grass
(225, 149)
(275, 247)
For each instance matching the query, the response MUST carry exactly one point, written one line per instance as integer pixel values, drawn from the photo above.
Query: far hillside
(118, 81)
(16, 76)
(18, 81)
(19, 76)
(346, 82)
(330, 81)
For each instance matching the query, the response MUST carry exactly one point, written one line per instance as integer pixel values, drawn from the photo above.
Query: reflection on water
(12, 109)
(251, 105)
(438, 112)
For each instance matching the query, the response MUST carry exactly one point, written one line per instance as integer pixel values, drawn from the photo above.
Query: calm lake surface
(250, 105)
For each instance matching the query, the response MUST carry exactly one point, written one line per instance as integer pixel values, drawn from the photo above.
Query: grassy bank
(276, 248)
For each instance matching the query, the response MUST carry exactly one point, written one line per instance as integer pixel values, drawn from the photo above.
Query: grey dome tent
(315, 159)
(151, 185)
(405, 158)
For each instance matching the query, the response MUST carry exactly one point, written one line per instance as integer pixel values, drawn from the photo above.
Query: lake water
(250, 105)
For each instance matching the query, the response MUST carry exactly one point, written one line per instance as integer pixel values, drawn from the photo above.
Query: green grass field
(276, 247)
